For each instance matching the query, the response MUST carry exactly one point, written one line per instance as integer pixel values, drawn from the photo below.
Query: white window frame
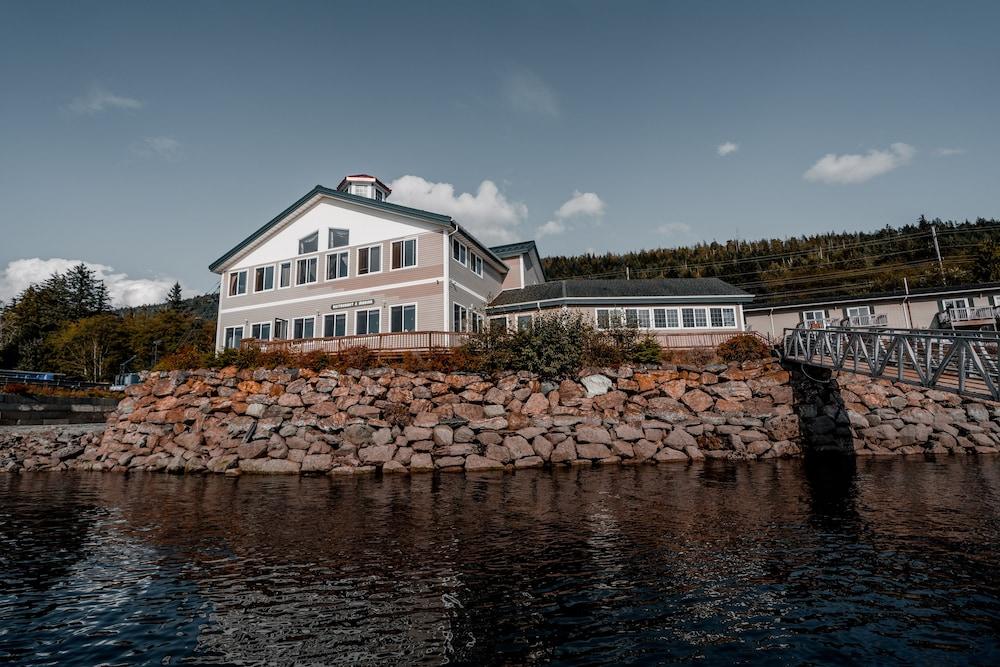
(517, 320)
(950, 304)
(229, 333)
(274, 329)
(639, 312)
(258, 326)
(402, 254)
(335, 256)
(264, 270)
(499, 321)
(695, 311)
(304, 239)
(368, 249)
(368, 312)
(722, 314)
(303, 320)
(329, 238)
(667, 312)
(460, 249)
(334, 316)
(855, 311)
(291, 268)
(476, 264)
(402, 317)
(459, 318)
(809, 317)
(306, 260)
(618, 313)
(475, 322)
(230, 290)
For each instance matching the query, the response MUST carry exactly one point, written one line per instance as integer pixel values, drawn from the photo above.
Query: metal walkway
(961, 362)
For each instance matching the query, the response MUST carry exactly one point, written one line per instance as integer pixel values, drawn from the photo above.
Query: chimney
(364, 185)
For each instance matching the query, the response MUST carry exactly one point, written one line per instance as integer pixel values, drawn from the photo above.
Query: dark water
(887, 562)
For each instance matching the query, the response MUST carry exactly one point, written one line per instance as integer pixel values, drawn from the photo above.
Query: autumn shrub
(316, 360)
(278, 357)
(184, 359)
(21, 389)
(358, 356)
(441, 360)
(743, 347)
(692, 356)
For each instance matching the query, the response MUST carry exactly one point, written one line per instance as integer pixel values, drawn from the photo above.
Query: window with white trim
(666, 318)
(476, 264)
(498, 323)
(859, 311)
(369, 260)
(233, 337)
(693, 318)
(476, 322)
(403, 318)
(722, 317)
(459, 252)
(955, 303)
(524, 322)
(280, 329)
(308, 244)
(610, 318)
(261, 331)
(813, 318)
(263, 278)
(637, 317)
(338, 238)
(305, 270)
(460, 317)
(285, 274)
(404, 254)
(337, 265)
(334, 325)
(238, 283)
(367, 321)
(304, 327)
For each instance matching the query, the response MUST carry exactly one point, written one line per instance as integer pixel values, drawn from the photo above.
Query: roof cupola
(364, 185)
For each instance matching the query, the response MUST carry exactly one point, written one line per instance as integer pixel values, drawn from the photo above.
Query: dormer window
(365, 185)
(309, 243)
(360, 189)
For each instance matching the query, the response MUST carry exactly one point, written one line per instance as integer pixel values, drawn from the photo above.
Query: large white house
(347, 262)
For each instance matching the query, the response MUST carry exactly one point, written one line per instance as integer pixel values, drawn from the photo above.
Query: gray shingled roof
(577, 291)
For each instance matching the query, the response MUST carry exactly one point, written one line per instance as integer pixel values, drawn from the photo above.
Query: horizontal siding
(513, 278)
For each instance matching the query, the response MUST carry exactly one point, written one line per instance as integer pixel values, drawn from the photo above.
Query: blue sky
(148, 139)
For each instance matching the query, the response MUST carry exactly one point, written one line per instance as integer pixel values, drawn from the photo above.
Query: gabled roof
(426, 216)
(620, 292)
(520, 248)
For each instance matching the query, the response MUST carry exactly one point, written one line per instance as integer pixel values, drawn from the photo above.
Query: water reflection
(783, 562)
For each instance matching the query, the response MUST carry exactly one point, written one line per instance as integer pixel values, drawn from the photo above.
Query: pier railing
(960, 362)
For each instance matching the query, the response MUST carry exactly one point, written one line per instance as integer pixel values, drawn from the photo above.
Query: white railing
(968, 314)
(875, 320)
(820, 324)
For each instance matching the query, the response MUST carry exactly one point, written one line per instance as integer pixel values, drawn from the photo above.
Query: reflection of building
(959, 307)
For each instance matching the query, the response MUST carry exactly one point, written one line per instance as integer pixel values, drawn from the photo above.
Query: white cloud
(527, 93)
(580, 205)
(948, 152)
(167, 148)
(488, 214)
(674, 229)
(124, 291)
(727, 148)
(856, 168)
(98, 99)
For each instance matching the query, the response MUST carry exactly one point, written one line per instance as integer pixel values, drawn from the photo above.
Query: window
(637, 317)
(955, 303)
(280, 329)
(261, 331)
(285, 274)
(476, 320)
(367, 321)
(523, 322)
(460, 318)
(369, 260)
(459, 252)
(305, 271)
(814, 318)
(722, 317)
(304, 327)
(233, 337)
(237, 283)
(476, 264)
(403, 318)
(498, 323)
(263, 278)
(336, 265)
(334, 324)
(378, 195)
(339, 238)
(404, 253)
(665, 318)
(857, 311)
(309, 243)
(609, 318)
(360, 189)
(693, 317)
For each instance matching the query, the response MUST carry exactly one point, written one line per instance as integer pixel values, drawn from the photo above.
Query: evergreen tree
(174, 298)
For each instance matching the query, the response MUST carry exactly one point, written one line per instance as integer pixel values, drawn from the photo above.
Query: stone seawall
(301, 421)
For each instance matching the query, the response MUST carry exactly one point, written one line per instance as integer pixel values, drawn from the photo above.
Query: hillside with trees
(66, 324)
(846, 263)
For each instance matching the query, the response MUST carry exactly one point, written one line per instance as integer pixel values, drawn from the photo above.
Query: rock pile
(30, 448)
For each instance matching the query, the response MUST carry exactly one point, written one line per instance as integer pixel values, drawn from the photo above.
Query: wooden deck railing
(425, 341)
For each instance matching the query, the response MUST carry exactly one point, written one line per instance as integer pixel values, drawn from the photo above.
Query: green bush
(743, 347)
(647, 351)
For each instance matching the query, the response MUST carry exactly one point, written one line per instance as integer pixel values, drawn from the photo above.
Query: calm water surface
(875, 562)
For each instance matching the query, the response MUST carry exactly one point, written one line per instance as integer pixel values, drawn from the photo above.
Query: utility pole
(937, 251)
